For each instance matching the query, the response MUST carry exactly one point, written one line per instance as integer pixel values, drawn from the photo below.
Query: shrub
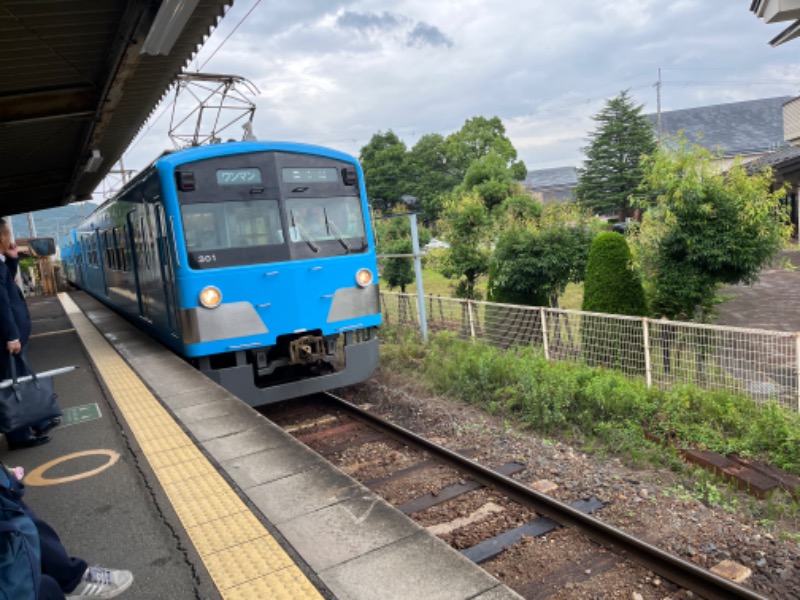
(611, 286)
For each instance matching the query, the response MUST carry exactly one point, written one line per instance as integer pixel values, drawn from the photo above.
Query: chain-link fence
(763, 364)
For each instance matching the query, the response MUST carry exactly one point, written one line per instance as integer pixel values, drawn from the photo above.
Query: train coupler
(307, 350)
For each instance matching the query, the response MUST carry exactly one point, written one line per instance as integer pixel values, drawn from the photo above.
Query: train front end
(276, 280)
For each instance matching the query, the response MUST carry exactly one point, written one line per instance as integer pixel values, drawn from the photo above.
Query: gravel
(653, 503)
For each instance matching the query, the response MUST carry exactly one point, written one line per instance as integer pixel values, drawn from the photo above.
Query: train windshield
(326, 219)
(232, 233)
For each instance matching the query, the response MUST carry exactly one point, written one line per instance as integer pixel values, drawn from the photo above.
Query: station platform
(158, 470)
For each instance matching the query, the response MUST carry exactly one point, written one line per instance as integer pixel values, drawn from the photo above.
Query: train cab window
(228, 225)
(325, 219)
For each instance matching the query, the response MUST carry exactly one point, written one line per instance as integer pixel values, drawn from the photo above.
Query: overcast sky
(334, 72)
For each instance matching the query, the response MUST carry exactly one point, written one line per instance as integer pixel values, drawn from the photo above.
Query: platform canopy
(775, 11)
(78, 79)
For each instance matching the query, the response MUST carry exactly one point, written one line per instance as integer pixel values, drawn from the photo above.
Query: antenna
(212, 103)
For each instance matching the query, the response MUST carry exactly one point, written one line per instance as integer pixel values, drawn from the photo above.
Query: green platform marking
(80, 414)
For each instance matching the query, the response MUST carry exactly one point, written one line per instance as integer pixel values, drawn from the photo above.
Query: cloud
(369, 21)
(334, 72)
(417, 35)
(427, 35)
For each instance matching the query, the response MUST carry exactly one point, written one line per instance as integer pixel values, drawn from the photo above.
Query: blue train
(255, 261)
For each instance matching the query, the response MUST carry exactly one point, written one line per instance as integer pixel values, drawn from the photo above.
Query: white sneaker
(99, 582)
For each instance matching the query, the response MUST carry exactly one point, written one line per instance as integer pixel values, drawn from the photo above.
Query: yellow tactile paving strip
(244, 560)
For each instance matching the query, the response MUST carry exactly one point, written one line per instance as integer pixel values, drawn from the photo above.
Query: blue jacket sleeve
(8, 325)
(13, 267)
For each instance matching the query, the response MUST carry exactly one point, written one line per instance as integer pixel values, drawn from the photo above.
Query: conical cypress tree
(612, 169)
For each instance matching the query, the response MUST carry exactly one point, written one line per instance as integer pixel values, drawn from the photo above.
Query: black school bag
(20, 556)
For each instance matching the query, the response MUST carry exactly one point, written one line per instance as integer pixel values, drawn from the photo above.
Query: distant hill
(52, 222)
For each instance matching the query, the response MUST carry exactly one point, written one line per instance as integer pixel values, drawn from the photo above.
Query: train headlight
(210, 297)
(364, 277)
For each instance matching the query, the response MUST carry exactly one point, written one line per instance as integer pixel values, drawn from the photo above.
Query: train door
(82, 253)
(134, 233)
(167, 269)
(99, 260)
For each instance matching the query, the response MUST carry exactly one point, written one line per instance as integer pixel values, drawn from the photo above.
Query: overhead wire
(243, 19)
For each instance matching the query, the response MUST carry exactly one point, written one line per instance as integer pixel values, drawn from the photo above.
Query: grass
(436, 284)
(602, 411)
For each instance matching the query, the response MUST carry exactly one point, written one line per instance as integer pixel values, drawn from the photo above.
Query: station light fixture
(94, 162)
(167, 26)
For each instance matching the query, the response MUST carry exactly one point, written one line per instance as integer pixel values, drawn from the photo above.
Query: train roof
(174, 158)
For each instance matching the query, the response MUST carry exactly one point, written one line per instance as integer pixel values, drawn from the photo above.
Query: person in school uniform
(15, 329)
(61, 575)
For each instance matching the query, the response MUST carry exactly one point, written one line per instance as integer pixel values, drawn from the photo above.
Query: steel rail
(680, 572)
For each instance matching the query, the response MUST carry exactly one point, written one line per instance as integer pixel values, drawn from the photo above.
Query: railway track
(338, 430)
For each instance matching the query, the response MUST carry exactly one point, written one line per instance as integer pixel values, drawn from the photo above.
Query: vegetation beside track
(597, 409)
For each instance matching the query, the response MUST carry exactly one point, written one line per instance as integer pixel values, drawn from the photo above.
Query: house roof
(551, 178)
(734, 128)
(783, 159)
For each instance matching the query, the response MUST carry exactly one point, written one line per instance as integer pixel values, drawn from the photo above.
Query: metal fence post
(471, 319)
(544, 333)
(797, 366)
(648, 369)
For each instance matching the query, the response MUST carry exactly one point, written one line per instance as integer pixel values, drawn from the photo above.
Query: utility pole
(658, 104)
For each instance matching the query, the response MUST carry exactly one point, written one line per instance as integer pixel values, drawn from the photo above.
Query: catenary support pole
(423, 318)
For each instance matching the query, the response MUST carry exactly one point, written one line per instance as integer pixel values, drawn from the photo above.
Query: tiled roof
(550, 178)
(734, 128)
(775, 160)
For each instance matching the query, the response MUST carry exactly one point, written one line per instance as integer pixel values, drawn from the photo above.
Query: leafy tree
(435, 166)
(466, 225)
(707, 229)
(430, 174)
(538, 252)
(613, 170)
(394, 237)
(491, 179)
(384, 162)
(476, 139)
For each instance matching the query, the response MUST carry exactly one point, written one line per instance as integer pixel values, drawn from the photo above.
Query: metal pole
(797, 366)
(471, 320)
(423, 318)
(545, 343)
(648, 369)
